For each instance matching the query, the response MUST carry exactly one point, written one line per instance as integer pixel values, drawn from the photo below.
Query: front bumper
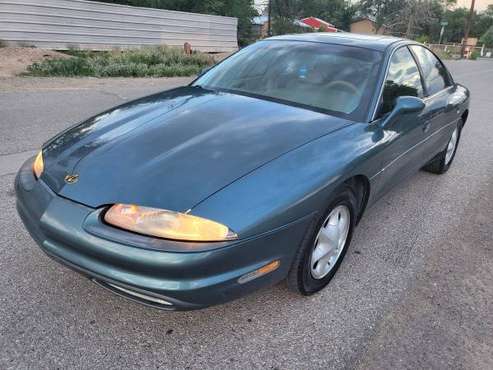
(147, 270)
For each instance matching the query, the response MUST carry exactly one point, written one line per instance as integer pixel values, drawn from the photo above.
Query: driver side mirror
(403, 105)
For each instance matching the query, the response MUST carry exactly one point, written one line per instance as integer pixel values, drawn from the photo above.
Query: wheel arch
(361, 185)
(464, 117)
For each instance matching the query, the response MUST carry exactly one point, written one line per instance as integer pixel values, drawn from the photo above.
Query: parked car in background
(257, 171)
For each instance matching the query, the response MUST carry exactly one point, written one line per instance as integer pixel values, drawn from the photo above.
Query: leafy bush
(62, 67)
(76, 52)
(487, 37)
(3, 44)
(153, 62)
(122, 69)
(423, 39)
(474, 55)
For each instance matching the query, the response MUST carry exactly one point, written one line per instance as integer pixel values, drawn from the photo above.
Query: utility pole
(269, 20)
(410, 24)
(467, 28)
(442, 30)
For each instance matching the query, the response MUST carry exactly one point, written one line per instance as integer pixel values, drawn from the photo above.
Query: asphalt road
(415, 290)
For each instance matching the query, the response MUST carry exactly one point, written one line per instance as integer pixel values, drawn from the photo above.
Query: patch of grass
(146, 62)
(423, 39)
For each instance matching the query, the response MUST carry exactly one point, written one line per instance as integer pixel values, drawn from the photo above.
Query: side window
(434, 73)
(403, 79)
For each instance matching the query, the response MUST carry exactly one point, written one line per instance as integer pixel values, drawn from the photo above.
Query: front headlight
(38, 165)
(167, 224)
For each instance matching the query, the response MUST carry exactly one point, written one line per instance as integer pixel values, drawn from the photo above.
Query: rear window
(332, 78)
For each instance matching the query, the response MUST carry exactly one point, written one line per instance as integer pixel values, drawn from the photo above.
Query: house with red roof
(319, 24)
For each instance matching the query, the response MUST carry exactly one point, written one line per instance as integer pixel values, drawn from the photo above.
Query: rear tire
(325, 245)
(442, 162)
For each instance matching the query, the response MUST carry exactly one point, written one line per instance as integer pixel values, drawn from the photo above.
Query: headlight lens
(38, 165)
(167, 224)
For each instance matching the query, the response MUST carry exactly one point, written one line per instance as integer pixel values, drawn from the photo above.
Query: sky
(260, 4)
(480, 4)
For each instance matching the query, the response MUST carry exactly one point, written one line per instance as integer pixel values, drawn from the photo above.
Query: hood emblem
(71, 179)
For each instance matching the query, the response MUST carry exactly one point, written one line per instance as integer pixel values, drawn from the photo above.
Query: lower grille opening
(132, 294)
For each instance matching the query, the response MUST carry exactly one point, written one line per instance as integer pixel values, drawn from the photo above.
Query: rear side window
(434, 73)
(403, 79)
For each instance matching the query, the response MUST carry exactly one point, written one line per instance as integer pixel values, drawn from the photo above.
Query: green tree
(383, 11)
(487, 37)
(454, 31)
(285, 12)
(481, 22)
(409, 18)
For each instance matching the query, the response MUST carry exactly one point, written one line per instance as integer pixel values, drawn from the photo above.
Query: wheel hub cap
(451, 146)
(330, 242)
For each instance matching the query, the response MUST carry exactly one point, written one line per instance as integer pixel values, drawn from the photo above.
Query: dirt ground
(15, 60)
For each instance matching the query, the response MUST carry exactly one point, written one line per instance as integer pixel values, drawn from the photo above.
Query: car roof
(376, 42)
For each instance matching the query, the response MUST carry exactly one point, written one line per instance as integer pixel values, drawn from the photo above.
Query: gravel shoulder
(27, 84)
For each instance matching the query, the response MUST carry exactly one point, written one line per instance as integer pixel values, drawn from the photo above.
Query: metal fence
(62, 24)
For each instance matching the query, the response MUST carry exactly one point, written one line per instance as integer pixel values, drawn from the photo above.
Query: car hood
(173, 149)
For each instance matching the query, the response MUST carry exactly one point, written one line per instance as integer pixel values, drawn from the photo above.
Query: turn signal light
(272, 266)
(38, 165)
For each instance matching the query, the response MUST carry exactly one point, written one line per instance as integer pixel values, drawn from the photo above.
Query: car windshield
(336, 79)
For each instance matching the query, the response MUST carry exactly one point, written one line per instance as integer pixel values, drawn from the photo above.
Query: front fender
(299, 183)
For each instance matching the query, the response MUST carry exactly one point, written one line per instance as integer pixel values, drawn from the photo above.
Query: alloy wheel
(451, 146)
(330, 241)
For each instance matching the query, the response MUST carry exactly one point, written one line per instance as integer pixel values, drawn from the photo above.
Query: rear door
(440, 115)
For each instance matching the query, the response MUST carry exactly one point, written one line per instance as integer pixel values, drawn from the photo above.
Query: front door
(401, 152)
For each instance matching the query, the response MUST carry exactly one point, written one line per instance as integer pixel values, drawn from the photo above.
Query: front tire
(443, 161)
(324, 245)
